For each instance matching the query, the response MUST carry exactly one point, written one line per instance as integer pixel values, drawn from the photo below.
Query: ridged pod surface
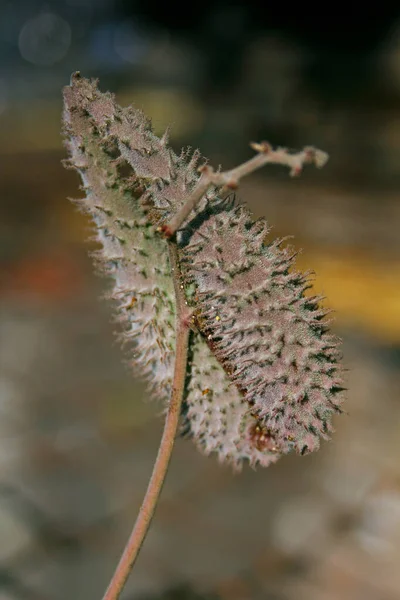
(131, 251)
(217, 416)
(166, 178)
(268, 335)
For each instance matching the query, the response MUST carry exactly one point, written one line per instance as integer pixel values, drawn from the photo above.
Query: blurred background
(77, 442)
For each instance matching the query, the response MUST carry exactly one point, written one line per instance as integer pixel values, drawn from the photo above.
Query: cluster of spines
(132, 253)
(217, 417)
(268, 335)
(167, 179)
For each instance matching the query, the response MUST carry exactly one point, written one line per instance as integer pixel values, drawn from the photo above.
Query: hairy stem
(160, 468)
(230, 179)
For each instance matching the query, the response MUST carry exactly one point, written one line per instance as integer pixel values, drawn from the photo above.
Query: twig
(147, 509)
(230, 179)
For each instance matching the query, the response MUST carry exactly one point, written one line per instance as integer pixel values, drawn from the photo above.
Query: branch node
(232, 184)
(261, 147)
(206, 169)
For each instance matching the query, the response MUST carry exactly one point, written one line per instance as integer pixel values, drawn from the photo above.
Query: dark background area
(77, 437)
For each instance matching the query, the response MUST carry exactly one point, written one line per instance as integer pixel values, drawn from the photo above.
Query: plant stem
(230, 179)
(148, 507)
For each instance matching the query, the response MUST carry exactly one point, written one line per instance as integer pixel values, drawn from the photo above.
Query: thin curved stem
(230, 179)
(147, 509)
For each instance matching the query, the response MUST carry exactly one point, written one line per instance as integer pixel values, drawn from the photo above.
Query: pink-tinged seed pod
(264, 374)
(268, 335)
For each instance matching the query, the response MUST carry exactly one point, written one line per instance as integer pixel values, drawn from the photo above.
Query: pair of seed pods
(264, 374)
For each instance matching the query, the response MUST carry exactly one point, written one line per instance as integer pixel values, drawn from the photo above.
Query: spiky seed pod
(269, 337)
(280, 379)
(219, 419)
(132, 252)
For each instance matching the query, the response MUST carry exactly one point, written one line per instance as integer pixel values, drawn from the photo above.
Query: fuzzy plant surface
(263, 375)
